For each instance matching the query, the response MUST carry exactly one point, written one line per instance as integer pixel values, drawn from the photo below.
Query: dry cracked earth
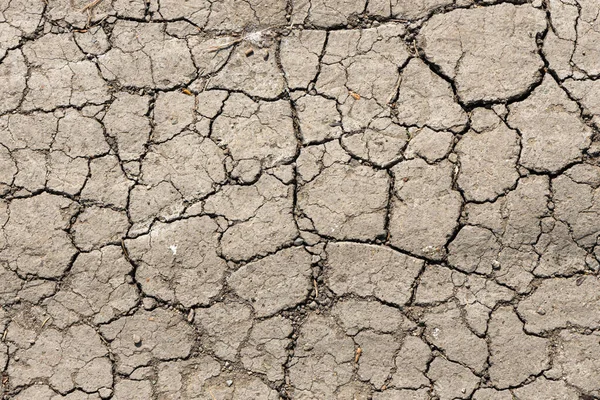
(303, 199)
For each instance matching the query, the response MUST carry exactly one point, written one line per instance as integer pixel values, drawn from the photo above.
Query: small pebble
(229, 382)
(148, 303)
(137, 340)
(190, 316)
(594, 149)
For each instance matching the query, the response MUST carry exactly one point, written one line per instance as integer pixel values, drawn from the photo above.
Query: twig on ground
(357, 355)
(396, 88)
(91, 5)
(224, 46)
(211, 394)
(45, 321)
(125, 252)
(206, 83)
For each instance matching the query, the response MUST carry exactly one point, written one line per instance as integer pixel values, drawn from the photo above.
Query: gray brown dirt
(300, 199)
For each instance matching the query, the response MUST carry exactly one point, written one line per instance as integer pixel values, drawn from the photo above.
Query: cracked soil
(300, 199)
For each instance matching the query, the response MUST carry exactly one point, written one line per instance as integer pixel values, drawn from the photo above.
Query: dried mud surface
(300, 199)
